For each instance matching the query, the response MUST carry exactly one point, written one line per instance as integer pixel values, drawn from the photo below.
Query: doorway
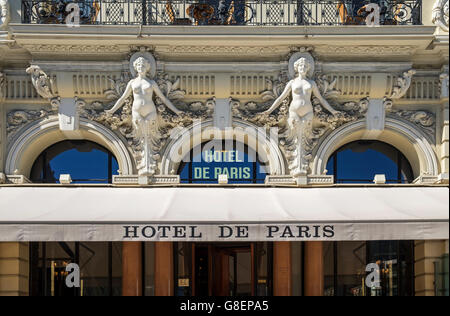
(223, 269)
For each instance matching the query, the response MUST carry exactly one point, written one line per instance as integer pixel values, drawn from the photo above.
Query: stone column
(14, 269)
(132, 268)
(314, 268)
(282, 269)
(426, 252)
(164, 279)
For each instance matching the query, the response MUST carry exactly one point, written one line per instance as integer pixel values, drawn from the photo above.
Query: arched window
(206, 162)
(85, 161)
(360, 161)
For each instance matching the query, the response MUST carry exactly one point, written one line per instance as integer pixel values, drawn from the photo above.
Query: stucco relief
(150, 110)
(43, 85)
(440, 14)
(301, 109)
(402, 85)
(4, 14)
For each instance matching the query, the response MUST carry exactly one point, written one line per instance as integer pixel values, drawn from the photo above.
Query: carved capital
(4, 14)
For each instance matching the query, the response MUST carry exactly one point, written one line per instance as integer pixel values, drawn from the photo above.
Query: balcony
(222, 12)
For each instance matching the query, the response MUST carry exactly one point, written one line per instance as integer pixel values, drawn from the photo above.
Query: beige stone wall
(14, 269)
(426, 253)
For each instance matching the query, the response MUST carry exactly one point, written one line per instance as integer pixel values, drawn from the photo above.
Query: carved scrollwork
(17, 119)
(425, 120)
(43, 85)
(402, 85)
(440, 14)
(4, 14)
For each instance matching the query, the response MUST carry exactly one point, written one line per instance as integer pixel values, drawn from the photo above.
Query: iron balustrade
(222, 12)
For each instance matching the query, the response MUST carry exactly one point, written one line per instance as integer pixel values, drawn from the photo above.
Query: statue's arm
(281, 98)
(322, 100)
(122, 99)
(164, 99)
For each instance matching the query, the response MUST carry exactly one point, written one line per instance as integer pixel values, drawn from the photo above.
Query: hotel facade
(224, 148)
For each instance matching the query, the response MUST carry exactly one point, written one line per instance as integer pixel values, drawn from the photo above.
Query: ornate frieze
(365, 50)
(73, 49)
(440, 14)
(223, 50)
(4, 14)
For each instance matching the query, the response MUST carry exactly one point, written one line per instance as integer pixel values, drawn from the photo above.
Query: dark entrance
(231, 269)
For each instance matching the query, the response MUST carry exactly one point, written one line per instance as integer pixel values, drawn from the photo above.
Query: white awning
(223, 214)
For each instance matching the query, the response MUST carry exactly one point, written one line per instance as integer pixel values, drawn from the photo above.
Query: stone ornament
(144, 113)
(17, 119)
(303, 53)
(148, 57)
(43, 85)
(402, 85)
(4, 14)
(444, 85)
(2, 86)
(151, 109)
(440, 14)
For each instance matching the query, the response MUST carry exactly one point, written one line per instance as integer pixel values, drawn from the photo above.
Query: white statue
(144, 113)
(4, 14)
(301, 113)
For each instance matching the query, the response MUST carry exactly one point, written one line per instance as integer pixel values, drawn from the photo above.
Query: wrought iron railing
(221, 12)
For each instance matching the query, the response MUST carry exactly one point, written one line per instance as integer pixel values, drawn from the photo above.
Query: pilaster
(14, 269)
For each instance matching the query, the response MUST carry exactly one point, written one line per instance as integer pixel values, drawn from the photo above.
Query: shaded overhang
(223, 214)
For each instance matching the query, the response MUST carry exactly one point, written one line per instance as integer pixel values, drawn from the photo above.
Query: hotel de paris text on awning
(223, 214)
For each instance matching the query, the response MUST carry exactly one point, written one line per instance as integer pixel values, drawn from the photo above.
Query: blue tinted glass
(360, 162)
(364, 165)
(86, 162)
(206, 167)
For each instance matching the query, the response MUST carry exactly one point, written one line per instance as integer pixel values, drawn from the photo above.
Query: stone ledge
(17, 179)
(300, 181)
(146, 180)
(429, 179)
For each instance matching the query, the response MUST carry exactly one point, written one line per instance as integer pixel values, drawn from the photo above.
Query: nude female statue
(144, 113)
(301, 112)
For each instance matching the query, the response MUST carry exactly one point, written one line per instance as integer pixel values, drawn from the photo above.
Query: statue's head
(142, 65)
(302, 66)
